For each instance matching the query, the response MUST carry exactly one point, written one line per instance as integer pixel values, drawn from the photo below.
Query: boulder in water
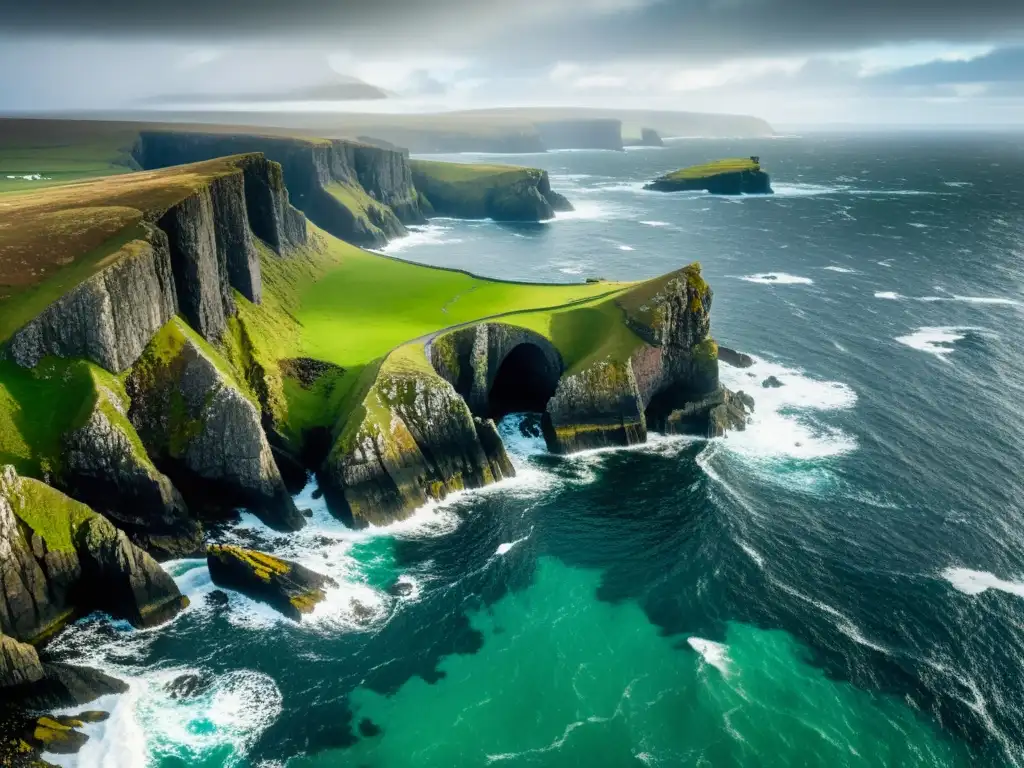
(286, 586)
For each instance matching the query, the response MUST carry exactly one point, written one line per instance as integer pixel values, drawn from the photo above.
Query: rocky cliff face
(59, 559)
(584, 133)
(200, 250)
(105, 465)
(197, 424)
(413, 439)
(309, 169)
(520, 195)
(110, 317)
(668, 382)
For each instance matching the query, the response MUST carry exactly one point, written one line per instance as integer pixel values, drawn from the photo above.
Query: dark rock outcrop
(199, 427)
(734, 358)
(412, 440)
(747, 182)
(66, 685)
(648, 138)
(711, 416)
(771, 383)
(581, 133)
(59, 559)
(288, 587)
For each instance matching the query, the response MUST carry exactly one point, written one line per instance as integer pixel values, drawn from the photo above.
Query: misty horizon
(793, 63)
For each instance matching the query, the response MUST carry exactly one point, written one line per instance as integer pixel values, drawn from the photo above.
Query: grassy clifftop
(55, 238)
(714, 168)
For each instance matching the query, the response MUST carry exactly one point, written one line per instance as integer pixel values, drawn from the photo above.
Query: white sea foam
(715, 654)
(917, 225)
(958, 184)
(426, 234)
(586, 210)
(939, 340)
(31, 177)
(776, 278)
(972, 582)
(626, 248)
(843, 270)
(147, 724)
(504, 548)
(656, 223)
(989, 300)
(784, 424)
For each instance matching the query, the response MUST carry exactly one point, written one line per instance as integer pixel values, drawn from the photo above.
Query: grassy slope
(714, 168)
(61, 151)
(457, 173)
(351, 308)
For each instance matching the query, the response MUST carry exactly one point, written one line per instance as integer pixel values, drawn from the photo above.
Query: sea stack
(730, 176)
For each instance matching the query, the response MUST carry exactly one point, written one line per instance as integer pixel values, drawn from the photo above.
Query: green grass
(382, 303)
(53, 239)
(460, 173)
(51, 514)
(714, 168)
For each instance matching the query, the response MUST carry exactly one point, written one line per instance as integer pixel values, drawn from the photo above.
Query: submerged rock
(772, 383)
(66, 685)
(286, 586)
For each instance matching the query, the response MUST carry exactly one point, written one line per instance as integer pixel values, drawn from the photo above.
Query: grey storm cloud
(1003, 65)
(565, 28)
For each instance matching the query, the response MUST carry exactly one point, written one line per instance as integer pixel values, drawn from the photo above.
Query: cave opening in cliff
(525, 381)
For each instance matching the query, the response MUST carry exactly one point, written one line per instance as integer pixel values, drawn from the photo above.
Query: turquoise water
(839, 585)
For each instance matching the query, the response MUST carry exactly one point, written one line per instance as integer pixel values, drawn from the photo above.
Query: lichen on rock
(199, 425)
(411, 439)
(59, 559)
(289, 587)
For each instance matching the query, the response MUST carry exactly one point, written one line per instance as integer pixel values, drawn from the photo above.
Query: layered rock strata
(310, 168)
(199, 252)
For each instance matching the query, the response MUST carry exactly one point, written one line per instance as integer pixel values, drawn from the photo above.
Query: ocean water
(841, 585)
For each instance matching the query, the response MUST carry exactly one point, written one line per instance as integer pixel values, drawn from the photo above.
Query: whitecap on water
(715, 654)
(972, 582)
(588, 210)
(626, 248)
(939, 340)
(983, 300)
(504, 548)
(776, 278)
(782, 426)
(843, 270)
(426, 234)
(656, 223)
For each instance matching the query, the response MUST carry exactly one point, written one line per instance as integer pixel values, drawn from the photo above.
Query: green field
(714, 168)
(460, 173)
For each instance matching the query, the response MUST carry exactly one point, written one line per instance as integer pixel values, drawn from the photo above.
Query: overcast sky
(793, 62)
